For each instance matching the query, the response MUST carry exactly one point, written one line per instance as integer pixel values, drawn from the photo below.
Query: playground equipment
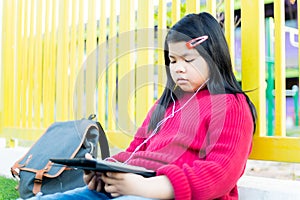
(294, 92)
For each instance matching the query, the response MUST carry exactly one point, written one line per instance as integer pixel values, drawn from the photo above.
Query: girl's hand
(117, 183)
(158, 187)
(92, 178)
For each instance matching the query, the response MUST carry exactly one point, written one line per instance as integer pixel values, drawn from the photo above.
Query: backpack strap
(102, 139)
(103, 142)
(38, 179)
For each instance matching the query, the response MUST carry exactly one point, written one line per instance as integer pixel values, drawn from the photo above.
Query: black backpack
(70, 139)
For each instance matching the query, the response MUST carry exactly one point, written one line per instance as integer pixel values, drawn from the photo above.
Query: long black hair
(215, 52)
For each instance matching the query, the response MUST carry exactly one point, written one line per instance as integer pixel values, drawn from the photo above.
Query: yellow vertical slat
(145, 67)
(38, 66)
(10, 68)
(211, 7)
(253, 61)
(19, 67)
(229, 29)
(175, 11)
(46, 67)
(162, 30)
(78, 110)
(5, 61)
(30, 64)
(111, 115)
(1, 69)
(53, 59)
(192, 6)
(2, 99)
(126, 66)
(91, 27)
(102, 63)
(73, 57)
(280, 101)
(62, 62)
(91, 58)
(24, 68)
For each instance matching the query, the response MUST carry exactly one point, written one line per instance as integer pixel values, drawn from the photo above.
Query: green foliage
(7, 189)
(169, 14)
(293, 132)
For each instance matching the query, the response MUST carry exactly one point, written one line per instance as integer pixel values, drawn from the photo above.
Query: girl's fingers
(99, 184)
(115, 194)
(92, 183)
(89, 156)
(88, 177)
(110, 180)
(115, 175)
(110, 188)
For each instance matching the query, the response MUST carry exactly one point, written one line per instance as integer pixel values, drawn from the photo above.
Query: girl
(197, 136)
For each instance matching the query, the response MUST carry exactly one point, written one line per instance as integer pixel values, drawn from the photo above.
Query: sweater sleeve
(216, 174)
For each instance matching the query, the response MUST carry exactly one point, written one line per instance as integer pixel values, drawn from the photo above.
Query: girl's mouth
(182, 81)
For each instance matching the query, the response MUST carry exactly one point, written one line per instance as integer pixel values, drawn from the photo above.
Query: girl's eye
(190, 60)
(172, 61)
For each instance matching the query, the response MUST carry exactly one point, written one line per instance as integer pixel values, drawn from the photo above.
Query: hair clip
(196, 41)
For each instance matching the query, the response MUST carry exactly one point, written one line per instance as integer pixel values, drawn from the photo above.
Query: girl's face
(188, 69)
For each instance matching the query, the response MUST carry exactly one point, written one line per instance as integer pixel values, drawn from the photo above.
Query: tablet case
(103, 166)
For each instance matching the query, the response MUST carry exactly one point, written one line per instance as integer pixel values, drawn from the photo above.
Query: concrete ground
(8, 156)
(270, 169)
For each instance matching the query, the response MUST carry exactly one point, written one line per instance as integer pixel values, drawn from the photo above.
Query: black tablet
(103, 166)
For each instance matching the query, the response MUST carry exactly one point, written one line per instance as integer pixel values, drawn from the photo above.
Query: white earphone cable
(165, 119)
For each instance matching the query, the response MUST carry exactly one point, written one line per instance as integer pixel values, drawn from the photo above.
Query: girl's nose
(180, 68)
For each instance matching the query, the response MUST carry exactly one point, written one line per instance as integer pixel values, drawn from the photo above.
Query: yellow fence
(66, 59)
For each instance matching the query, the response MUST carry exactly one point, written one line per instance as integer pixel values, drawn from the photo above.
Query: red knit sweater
(203, 149)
